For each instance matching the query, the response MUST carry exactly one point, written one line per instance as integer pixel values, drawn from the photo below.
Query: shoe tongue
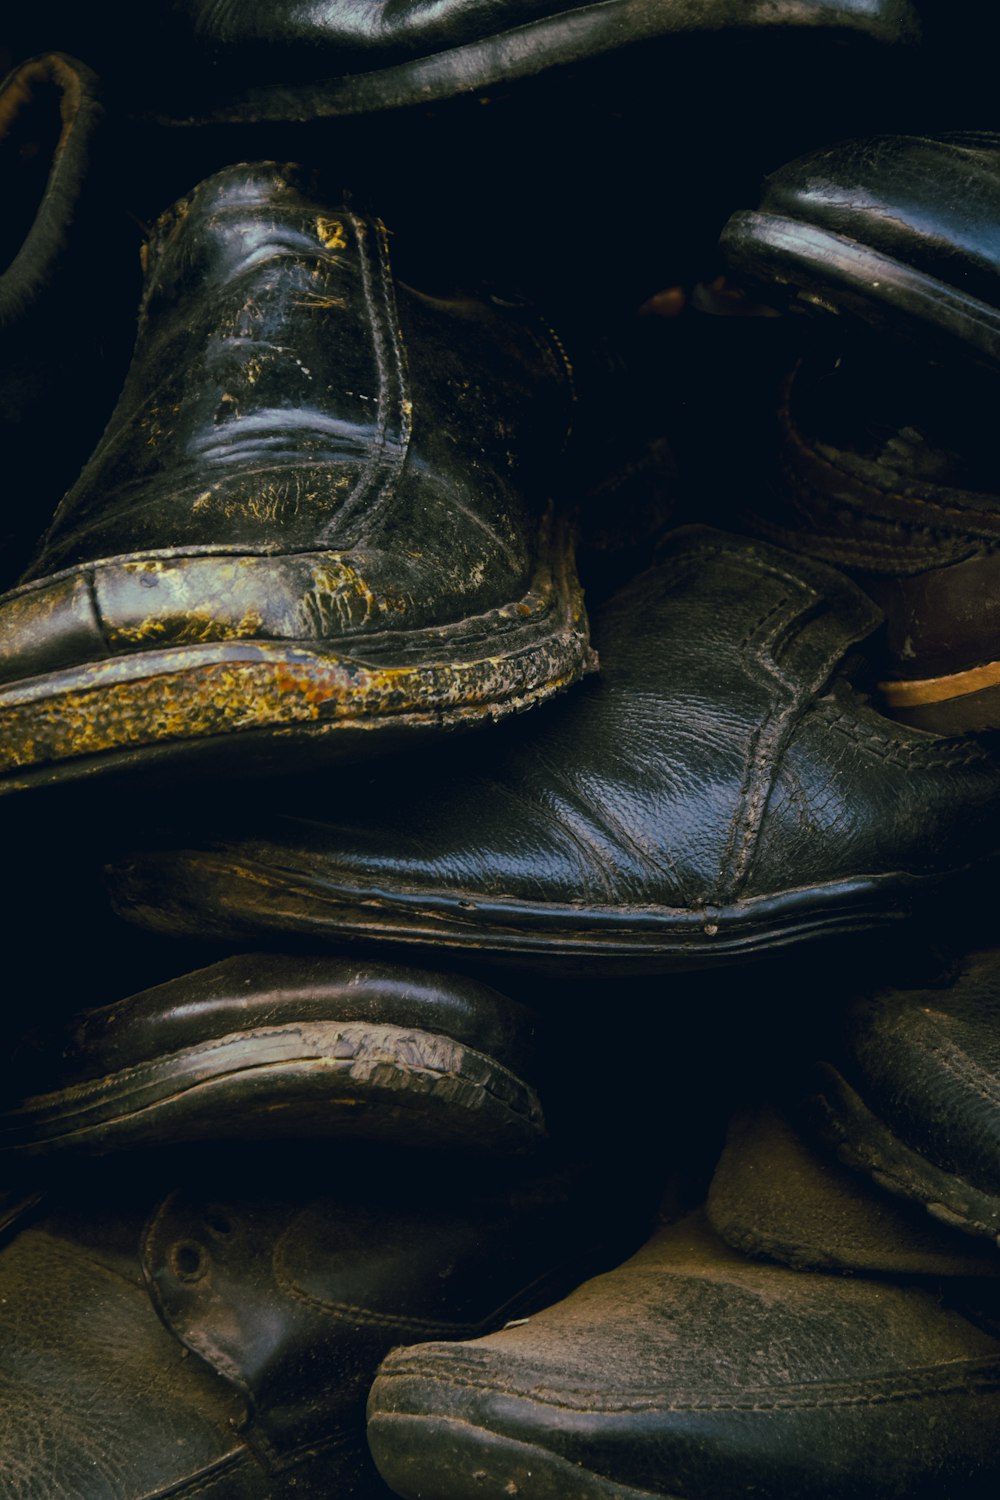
(773, 1196)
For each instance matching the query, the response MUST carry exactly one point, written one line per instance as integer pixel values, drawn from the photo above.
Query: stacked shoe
(330, 501)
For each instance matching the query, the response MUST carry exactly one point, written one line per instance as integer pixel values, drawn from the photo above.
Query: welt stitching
(348, 1312)
(653, 1400)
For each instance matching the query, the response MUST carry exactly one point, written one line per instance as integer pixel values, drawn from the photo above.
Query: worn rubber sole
(441, 1458)
(523, 51)
(250, 702)
(212, 894)
(816, 267)
(318, 1078)
(864, 1142)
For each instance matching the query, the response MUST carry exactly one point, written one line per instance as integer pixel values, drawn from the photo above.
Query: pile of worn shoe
(605, 1104)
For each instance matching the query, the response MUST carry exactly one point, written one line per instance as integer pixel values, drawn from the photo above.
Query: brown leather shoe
(886, 467)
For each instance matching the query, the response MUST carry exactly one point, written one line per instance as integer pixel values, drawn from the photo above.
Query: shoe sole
(864, 1142)
(450, 1459)
(215, 896)
(517, 53)
(814, 267)
(312, 1078)
(269, 704)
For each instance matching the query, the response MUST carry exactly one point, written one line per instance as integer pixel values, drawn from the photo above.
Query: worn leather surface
(926, 1063)
(257, 990)
(68, 278)
(99, 1399)
(263, 1044)
(305, 452)
(215, 1324)
(298, 1295)
(775, 1195)
(271, 409)
(886, 469)
(927, 206)
(691, 1371)
(261, 56)
(721, 779)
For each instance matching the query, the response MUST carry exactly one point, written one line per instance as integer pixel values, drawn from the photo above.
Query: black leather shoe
(910, 1094)
(219, 1338)
(887, 468)
(721, 789)
(691, 1371)
(68, 263)
(323, 506)
(898, 230)
(278, 60)
(264, 1045)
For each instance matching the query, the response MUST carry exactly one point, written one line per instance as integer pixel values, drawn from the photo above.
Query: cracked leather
(98, 1398)
(288, 401)
(898, 229)
(926, 1064)
(692, 1371)
(721, 765)
(220, 1339)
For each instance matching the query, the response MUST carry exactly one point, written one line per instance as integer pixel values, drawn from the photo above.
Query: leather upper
(230, 50)
(926, 1062)
(216, 1327)
(252, 992)
(688, 1370)
(722, 754)
(286, 397)
(931, 202)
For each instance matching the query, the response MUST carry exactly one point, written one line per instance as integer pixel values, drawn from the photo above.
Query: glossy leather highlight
(720, 789)
(897, 230)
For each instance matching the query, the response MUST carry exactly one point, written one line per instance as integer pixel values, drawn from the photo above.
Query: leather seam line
(886, 491)
(938, 530)
(792, 436)
(200, 1483)
(888, 749)
(653, 1401)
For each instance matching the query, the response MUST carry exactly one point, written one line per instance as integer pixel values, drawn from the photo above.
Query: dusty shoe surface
(720, 789)
(886, 467)
(218, 1336)
(276, 59)
(776, 1194)
(897, 230)
(263, 1045)
(910, 1094)
(691, 1373)
(67, 266)
(323, 504)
